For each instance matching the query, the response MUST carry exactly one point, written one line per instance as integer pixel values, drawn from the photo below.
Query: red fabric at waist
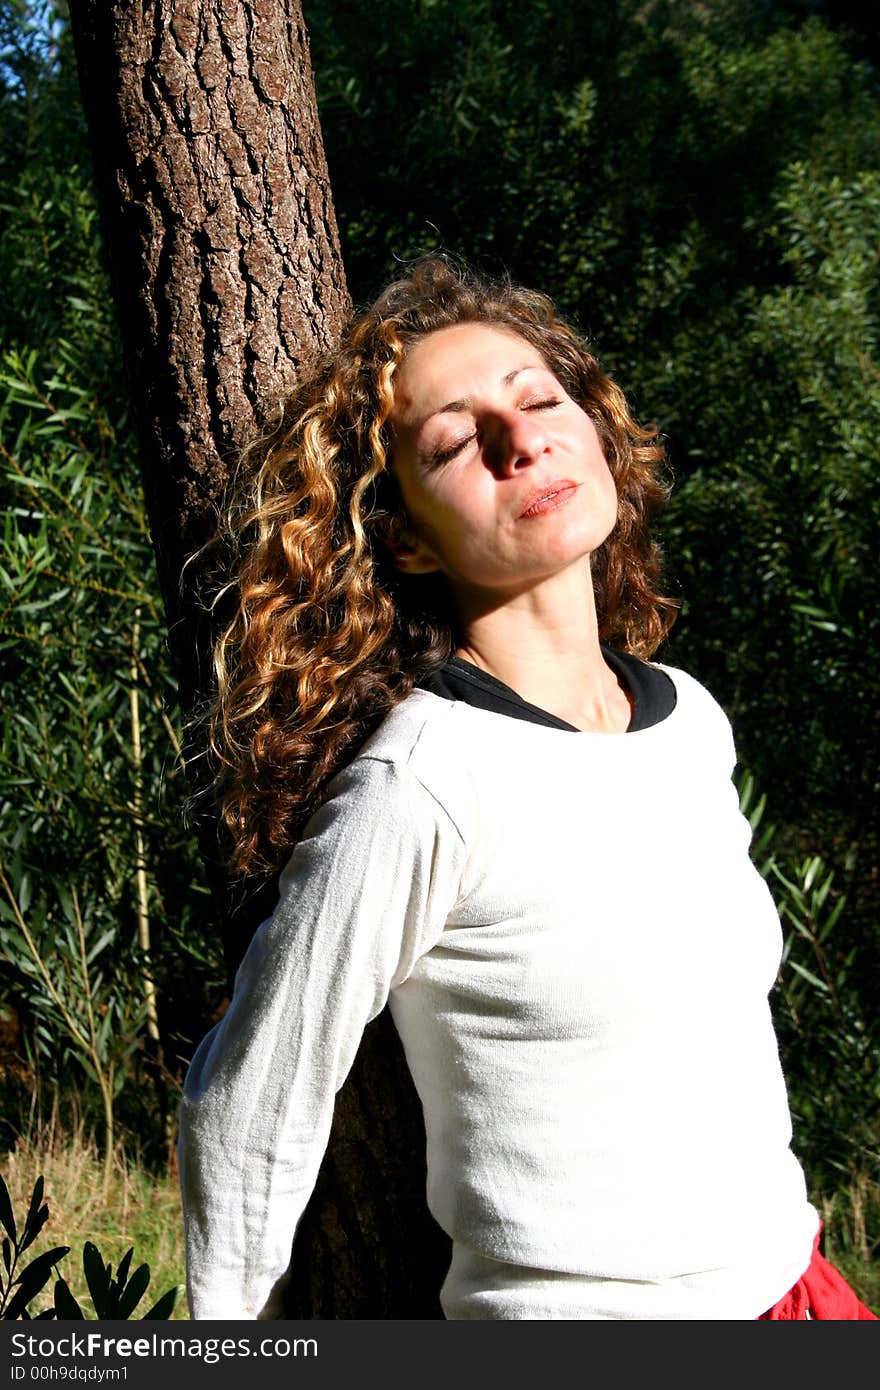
(821, 1292)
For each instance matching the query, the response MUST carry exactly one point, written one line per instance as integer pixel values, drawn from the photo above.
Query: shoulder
(698, 712)
(407, 729)
(414, 758)
(687, 685)
(377, 810)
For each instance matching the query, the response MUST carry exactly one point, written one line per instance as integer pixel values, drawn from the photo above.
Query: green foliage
(77, 1011)
(835, 1090)
(94, 953)
(826, 1033)
(18, 1289)
(113, 1295)
(782, 519)
(88, 781)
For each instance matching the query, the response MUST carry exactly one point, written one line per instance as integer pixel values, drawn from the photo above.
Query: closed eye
(542, 405)
(444, 455)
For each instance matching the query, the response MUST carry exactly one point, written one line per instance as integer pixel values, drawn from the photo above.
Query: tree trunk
(224, 254)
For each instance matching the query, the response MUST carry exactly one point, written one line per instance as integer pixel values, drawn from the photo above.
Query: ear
(411, 555)
(415, 557)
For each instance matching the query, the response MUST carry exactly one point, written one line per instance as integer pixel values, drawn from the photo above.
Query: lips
(547, 497)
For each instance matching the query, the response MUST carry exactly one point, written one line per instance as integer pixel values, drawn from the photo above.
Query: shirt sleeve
(366, 892)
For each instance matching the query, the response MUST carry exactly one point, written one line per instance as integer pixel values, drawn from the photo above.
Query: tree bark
(225, 260)
(223, 246)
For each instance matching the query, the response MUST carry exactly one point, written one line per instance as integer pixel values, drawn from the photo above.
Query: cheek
(415, 502)
(607, 494)
(428, 520)
(602, 470)
(446, 508)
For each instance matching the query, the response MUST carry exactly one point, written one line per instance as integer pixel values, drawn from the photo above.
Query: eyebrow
(466, 401)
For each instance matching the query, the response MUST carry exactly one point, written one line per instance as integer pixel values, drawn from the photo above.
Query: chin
(582, 544)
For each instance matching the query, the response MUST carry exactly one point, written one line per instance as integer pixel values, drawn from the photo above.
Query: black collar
(651, 691)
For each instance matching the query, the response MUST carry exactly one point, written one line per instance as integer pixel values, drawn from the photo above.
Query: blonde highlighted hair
(326, 633)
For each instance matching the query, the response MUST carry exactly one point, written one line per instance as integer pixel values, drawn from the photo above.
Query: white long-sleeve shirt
(577, 954)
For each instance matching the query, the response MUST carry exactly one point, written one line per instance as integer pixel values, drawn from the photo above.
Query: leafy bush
(829, 1039)
(99, 878)
(113, 1295)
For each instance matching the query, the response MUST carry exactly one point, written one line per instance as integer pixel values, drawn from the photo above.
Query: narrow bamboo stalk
(140, 871)
(105, 1078)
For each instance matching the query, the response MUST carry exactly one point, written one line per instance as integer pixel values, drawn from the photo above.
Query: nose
(512, 440)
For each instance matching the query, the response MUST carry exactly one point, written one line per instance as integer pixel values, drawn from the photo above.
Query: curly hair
(327, 634)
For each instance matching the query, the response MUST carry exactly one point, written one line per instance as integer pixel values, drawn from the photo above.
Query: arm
(366, 892)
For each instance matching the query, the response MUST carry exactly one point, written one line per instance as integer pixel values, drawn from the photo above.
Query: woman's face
(502, 474)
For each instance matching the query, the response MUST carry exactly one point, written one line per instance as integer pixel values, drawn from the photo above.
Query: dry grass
(849, 1218)
(134, 1208)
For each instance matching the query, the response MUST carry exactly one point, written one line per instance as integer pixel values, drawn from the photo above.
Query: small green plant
(61, 956)
(18, 1290)
(113, 1296)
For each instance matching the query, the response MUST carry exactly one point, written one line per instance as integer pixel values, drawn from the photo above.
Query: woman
(509, 826)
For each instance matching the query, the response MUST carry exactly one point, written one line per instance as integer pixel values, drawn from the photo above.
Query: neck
(544, 644)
